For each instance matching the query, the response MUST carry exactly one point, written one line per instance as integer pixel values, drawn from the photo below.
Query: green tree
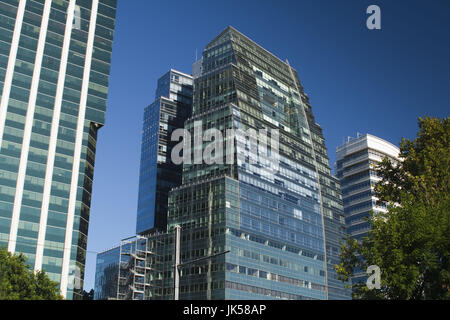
(19, 282)
(88, 295)
(411, 242)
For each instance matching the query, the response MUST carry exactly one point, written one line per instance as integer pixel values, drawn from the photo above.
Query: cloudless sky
(358, 80)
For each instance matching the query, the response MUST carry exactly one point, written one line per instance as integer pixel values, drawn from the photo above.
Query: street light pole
(176, 271)
(178, 265)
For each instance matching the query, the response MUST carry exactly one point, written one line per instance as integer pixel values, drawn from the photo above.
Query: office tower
(106, 274)
(146, 267)
(197, 68)
(283, 227)
(173, 105)
(54, 72)
(355, 168)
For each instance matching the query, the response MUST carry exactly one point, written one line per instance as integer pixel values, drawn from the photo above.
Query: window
(252, 272)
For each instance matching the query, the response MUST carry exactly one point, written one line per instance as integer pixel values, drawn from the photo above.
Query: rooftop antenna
(195, 54)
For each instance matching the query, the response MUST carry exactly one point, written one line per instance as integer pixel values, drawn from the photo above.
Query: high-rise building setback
(280, 220)
(173, 105)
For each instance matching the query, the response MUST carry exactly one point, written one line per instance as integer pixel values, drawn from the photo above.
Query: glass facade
(278, 232)
(146, 267)
(54, 71)
(106, 274)
(283, 227)
(355, 168)
(173, 105)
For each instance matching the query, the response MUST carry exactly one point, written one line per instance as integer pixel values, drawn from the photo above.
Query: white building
(355, 168)
(355, 163)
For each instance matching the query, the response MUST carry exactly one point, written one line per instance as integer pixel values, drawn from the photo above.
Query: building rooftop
(227, 29)
(367, 141)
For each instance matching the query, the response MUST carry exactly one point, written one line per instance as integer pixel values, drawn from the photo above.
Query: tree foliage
(411, 242)
(19, 282)
(88, 295)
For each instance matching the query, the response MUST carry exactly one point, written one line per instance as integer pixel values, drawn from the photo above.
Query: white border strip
(10, 71)
(77, 155)
(29, 125)
(54, 134)
(27, 136)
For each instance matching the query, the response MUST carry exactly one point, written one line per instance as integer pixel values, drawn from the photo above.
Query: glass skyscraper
(355, 167)
(106, 274)
(158, 175)
(284, 227)
(265, 230)
(54, 71)
(173, 105)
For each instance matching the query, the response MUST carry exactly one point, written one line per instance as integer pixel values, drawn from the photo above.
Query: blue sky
(358, 80)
